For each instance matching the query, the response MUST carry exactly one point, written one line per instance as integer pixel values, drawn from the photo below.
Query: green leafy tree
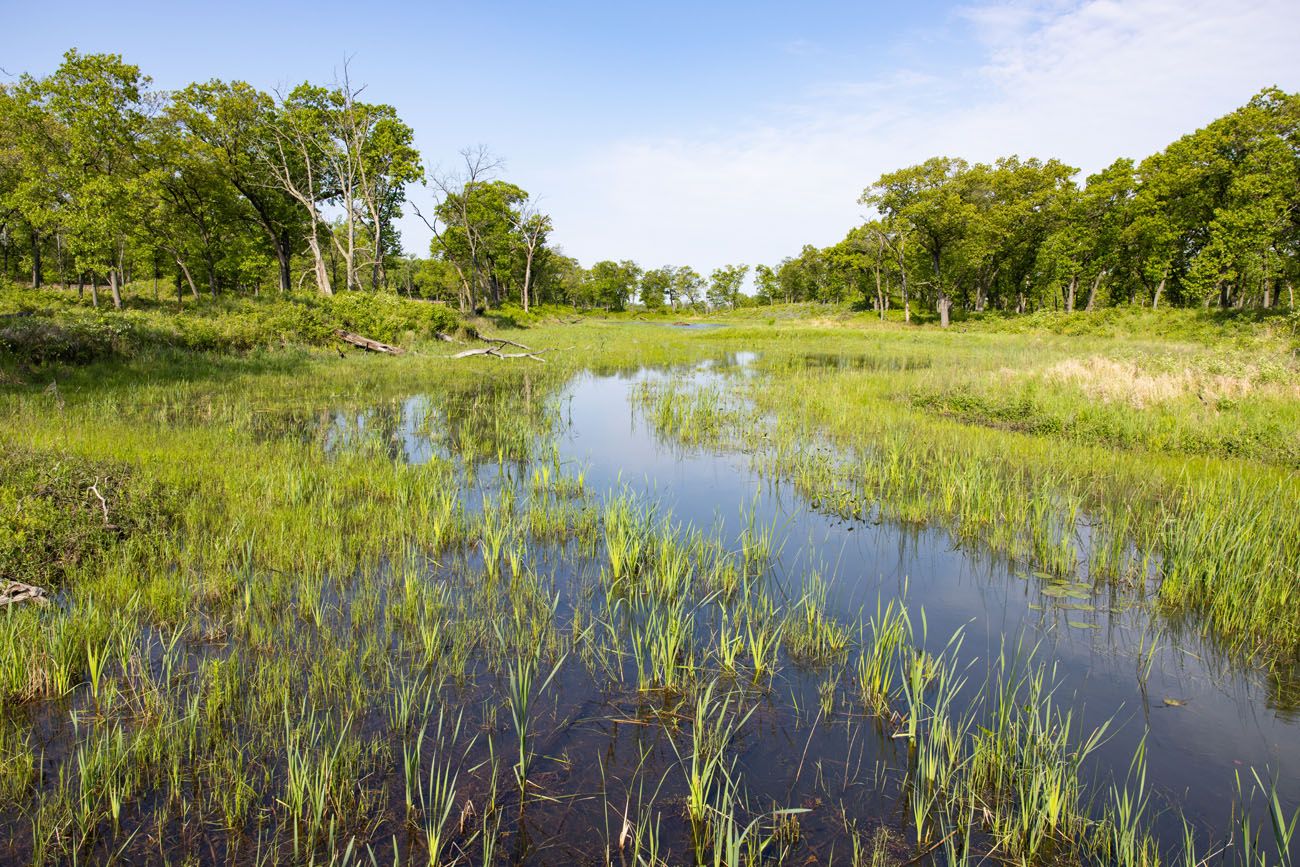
(766, 284)
(686, 287)
(655, 287)
(725, 284)
(231, 127)
(931, 201)
(87, 121)
(613, 284)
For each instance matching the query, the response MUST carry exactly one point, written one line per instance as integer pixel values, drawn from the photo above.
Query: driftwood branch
(103, 504)
(13, 592)
(367, 343)
(498, 343)
(503, 342)
(497, 353)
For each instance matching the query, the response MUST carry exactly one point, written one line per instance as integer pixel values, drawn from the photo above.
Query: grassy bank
(59, 325)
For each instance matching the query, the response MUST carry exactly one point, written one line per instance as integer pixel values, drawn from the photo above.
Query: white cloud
(1083, 81)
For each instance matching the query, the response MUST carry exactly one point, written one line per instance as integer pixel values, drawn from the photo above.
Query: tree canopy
(222, 187)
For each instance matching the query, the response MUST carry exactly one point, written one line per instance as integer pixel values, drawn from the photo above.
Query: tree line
(1213, 219)
(221, 187)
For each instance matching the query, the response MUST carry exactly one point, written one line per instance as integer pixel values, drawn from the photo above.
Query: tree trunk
(212, 274)
(115, 288)
(944, 302)
(189, 278)
(1155, 297)
(1092, 292)
(37, 275)
(376, 270)
(907, 301)
(282, 254)
(528, 275)
(1223, 295)
(94, 291)
(378, 274)
(1069, 295)
(350, 261)
(318, 260)
(62, 262)
(880, 305)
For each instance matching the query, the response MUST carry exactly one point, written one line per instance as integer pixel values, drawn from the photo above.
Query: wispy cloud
(1086, 81)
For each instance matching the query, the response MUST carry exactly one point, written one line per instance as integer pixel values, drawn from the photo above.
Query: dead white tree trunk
(297, 149)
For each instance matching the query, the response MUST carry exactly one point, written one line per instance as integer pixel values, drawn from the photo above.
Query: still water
(1204, 719)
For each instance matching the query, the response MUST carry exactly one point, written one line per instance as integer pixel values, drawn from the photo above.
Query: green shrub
(52, 326)
(52, 517)
(389, 318)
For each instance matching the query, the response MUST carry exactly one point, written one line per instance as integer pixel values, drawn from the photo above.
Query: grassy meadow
(312, 606)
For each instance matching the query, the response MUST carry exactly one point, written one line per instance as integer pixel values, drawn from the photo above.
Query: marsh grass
(332, 652)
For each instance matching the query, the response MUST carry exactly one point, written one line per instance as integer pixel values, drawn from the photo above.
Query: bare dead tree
(894, 240)
(350, 126)
(453, 191)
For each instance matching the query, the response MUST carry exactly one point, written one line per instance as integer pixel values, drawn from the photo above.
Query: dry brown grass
(1123, 381)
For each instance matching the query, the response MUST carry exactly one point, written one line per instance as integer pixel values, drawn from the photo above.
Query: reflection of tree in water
(478, 420)
(491, 420)
(1229, 669)
(860, 361)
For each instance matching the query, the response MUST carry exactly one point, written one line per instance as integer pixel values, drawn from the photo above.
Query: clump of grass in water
(809, 634)
(693, 416)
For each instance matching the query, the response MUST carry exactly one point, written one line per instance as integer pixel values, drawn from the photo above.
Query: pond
(1200, 719)
(528, 616)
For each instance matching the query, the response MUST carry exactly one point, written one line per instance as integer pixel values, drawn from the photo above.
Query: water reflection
(1203, 718)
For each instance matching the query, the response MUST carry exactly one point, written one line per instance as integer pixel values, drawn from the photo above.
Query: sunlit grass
(329, 646)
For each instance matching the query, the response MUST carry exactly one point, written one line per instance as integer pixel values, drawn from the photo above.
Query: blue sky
(706, 133)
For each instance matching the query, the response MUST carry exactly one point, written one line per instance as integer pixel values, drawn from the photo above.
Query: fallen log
(366, 342)
(13, 592)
